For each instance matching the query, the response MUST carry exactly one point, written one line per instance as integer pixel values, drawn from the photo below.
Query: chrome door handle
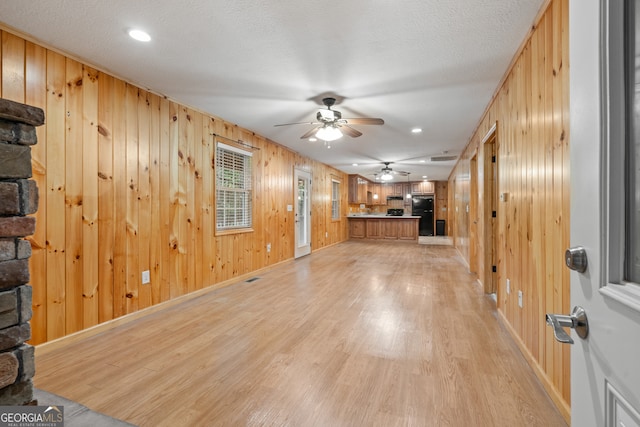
(576, 320)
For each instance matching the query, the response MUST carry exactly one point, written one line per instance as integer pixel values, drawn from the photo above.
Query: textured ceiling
(432, 64)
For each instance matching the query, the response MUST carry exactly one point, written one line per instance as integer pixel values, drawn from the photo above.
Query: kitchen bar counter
(383, 227)
(380, 216)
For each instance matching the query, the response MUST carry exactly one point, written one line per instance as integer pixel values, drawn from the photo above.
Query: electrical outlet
(326, 234)
(268, 247)
(508, 286)
(146, 277)
(520, 299)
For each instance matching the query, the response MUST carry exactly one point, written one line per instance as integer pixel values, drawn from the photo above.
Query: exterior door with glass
(605, 212)
(303, 213)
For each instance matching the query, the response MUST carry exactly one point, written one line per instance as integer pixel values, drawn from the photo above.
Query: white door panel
(303, 213)
(605, 367)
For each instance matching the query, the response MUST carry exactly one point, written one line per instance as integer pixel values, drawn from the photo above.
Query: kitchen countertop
(381, 216)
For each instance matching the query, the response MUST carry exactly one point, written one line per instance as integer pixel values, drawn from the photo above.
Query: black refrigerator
(422, 206)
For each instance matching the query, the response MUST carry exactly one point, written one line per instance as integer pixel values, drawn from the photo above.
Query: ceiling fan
(386, 173)
(331, 126)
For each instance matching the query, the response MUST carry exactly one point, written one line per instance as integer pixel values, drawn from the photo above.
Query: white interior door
(605, 366)
(303, 213)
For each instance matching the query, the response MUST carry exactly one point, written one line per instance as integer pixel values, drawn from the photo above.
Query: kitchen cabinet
(390, 230)
(358, 187)
(408, 230)
(376, 194)
(374, 229)
(387, 190)
(357, 228)
(422, 187)
(384, 227)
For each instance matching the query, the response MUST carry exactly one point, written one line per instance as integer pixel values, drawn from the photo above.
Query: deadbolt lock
(576, 259)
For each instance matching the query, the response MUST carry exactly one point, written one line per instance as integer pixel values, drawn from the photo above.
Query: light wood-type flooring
(357, 334)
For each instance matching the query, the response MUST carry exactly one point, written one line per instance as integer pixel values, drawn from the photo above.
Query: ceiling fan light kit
(330, 125)
(328, 133)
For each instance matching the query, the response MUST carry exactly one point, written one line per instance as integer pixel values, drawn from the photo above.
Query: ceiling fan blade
(348, 130)
(364, 121)
(311, 132)
(298, 123)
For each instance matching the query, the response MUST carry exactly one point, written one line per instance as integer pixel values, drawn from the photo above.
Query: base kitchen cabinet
(408, 230)
(377, 227)
(357, 228)
(390, 230)
(374, 228)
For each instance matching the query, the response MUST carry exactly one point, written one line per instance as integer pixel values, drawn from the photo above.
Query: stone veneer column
(18, 198)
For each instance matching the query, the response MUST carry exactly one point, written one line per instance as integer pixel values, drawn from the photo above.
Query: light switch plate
(520, 299)
(146, 277)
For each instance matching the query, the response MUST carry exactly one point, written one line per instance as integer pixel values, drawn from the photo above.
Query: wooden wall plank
(566, 185)
(182, 216)
(73, 197)
(144, 195)
(36, 95)
(90, 250)
(166, 202)
(155, 246)
(208, 204)
(55, 194)
(190, 198)
(119, 140)
(175, 202)
(106, 191)
(13, 67)
(199, 146)
(133, 203)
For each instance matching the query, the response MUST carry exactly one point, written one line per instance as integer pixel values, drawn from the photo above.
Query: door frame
(490, 199)
(474, 215)
(305, 249)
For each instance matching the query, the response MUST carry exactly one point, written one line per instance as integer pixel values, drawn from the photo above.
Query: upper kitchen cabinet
(422, 187)
(375, 189)
(358, 188)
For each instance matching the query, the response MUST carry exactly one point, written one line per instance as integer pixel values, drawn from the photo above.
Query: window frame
(335, 211)
(246, 189)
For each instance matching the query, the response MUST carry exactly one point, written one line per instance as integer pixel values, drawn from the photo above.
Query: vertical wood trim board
(126, 181)
(531, 112)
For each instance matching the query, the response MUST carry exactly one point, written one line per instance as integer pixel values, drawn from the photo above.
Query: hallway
(357, 334)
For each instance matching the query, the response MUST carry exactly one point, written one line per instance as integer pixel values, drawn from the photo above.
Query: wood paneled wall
(126, 184)
(531, 112)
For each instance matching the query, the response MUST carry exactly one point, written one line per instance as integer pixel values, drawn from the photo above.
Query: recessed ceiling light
(422, 161)
(139, 35)
(312, 139)
(424, 176)
(416, 130)
(354, 164)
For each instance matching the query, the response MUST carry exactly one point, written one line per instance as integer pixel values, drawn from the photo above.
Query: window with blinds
(233, 188)
(335, 199)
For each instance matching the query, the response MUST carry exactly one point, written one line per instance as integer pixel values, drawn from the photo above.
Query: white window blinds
(335, 199)
(233, 187)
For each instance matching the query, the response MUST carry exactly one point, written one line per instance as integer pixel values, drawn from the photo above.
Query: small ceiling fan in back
(387, 173)
(331, 126)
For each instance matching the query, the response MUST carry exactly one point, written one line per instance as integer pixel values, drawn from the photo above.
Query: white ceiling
(431, 64)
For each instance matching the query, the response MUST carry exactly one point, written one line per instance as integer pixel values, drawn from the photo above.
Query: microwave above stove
(395, 212)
